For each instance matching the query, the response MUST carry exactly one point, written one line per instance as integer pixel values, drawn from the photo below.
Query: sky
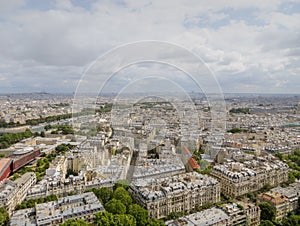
(249, 46)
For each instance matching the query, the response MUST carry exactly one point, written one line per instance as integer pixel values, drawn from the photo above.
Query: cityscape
(56, 166)
(149, 113)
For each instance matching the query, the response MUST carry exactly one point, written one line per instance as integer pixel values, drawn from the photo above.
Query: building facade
(82, 206)
(285, 200)
(238, 179)
(180, 193)
(13, 193)
(241, 213)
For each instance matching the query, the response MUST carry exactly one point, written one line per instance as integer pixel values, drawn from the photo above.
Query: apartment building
(241, 213)
(13, 193)
(179, 193)
(285, 200)
(277, 200)
(82, 206)
(240, 178)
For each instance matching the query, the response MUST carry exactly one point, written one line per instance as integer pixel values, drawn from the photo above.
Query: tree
(121, 194)
(279, 155)
(291, 177)
(124, 219)
(291, 220)
(104, 194)
(3, 216)
(122, 183)
(175, 215)
(268, 212)
(75, 222)
(108, 219)
(156, 223)
(115, 206)
(27, 133)
(266, 223)
(47, 127)
(43, 134)
(139, 213)
(104, 219)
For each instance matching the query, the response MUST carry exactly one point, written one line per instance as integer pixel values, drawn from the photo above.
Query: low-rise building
(82, 206)
(179, 193)
(13, 193)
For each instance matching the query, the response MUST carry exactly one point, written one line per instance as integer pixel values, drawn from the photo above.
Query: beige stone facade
(178, 193)
(13, 193)
(241, 178)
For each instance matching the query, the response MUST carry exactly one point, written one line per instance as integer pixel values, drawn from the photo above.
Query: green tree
(47, 127)
(124, 219)
(291, 220)
(291, 177)
(115, 206)
(3, 216)
(266, 223)
(139, 213)
(43, 134)
(175, 215)
(75, 222)
(279, 155)
(27, 133)
(104, 194)
(121, 194)
(156, 223)
(104, 219)
(268, 211)
(31, 202)
(122, 183)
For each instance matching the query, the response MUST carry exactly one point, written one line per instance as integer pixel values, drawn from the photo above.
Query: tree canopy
(268, 212)
(266, 223)
(291, 220)
(121, 194)
(139, 213)
(108, 219)
(103, 194)
(7, 139)
(3, 216)
(75, 222)
(115, 206)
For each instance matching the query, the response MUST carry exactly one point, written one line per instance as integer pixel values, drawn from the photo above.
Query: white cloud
(66, 38)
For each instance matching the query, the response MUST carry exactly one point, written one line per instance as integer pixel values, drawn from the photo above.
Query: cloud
(6, 6)
(62, 38)
(64, 4)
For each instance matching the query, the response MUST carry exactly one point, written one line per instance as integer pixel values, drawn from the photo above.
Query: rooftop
(151, 189)
(203, 218)
(62, 209)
